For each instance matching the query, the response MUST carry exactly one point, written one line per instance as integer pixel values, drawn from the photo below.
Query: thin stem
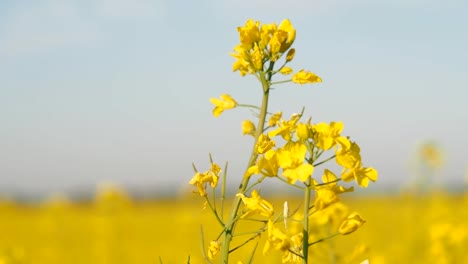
(223, 190)
(323, 239)
(293, 185)
(326, 183)
(323, 161)
(253, 157)
(245, 242)
(253, 253)
(214, 211)
(278, 82)
(305, 227)
(248, 106)
(202, 235)
(255, 184)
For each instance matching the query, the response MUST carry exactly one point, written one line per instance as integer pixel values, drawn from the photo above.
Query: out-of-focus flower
(276, 239)
(327, 192)
(296, 247)
(214, 248)
(351, 224)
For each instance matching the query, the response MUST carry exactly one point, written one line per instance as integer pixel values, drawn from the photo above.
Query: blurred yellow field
(115, 229)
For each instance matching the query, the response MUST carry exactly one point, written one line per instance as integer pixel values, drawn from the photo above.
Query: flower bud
(302, 131)
(248, 128)
(290, 55)
(215, 247)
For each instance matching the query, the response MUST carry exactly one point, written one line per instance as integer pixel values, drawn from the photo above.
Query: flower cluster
(260, 44)
(305, 144)
(285, 149)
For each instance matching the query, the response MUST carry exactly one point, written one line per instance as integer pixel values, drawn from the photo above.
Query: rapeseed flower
(264, 144)
(226, 102)
(291, 159)
(274, 119)
(327, 135)
(256, 205)
(214, 248)
(267, 165)
(327, 193)
(303, 77)
(351, 224)
(276, 239)
(285, 128)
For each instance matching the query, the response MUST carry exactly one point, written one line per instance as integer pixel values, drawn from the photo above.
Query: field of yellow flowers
(113, 228)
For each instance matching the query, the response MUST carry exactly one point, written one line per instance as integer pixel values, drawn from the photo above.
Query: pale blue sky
(109, 90)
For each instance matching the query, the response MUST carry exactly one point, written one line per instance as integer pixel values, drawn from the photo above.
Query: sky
(117, 90)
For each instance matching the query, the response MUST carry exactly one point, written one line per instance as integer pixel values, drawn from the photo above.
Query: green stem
(323, 161)
(248, 106)
(305, 228)
(323, 239)
(285, 81)
(213, 209)
(231, 224)
(223, 190)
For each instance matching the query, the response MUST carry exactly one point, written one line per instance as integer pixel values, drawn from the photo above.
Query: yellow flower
(296, 246)
(248, 128)
(291, 159)
(256, 58)
(351, 224)
(361, 174)
(327, 193)
(250, 33)
(242, 63)
(303, 77)
(211, 176)
(350, 160)
(327, 135)
(256, 205)
(267, 165)
(302, 131)
(264, 144)
(287, 27)
(285, 128)
(276, 239)
(286, 70)
(226, 102)
(200, 180)
(275, 118)
(214, 248)
(349, 154)
(266, 33)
